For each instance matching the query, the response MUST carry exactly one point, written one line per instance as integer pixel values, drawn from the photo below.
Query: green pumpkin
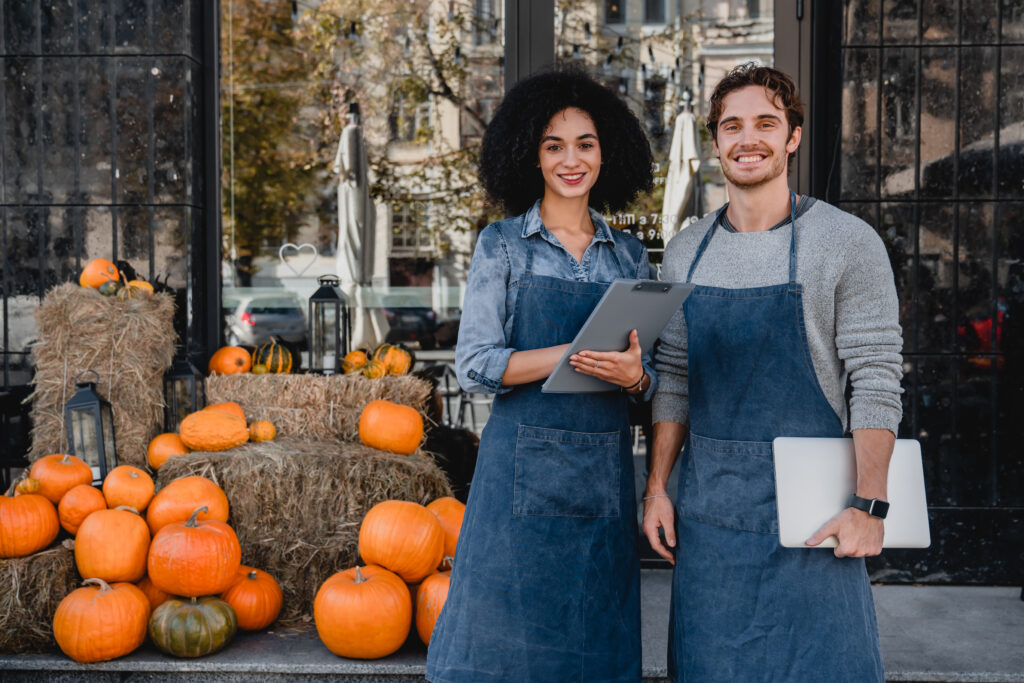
(276, 358)
(110, 288)
(193, 628)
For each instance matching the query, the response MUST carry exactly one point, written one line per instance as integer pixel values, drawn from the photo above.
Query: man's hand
(660, 513)
(859, 534)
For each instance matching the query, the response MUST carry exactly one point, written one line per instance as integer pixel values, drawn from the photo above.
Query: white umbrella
(683, 166)
(357, 230)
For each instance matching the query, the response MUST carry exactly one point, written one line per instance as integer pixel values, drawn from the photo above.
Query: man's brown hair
(783, 87)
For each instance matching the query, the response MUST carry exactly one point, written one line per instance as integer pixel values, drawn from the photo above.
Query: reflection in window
(614, 11)
(409, 121)
(410, 231)
(654, 11)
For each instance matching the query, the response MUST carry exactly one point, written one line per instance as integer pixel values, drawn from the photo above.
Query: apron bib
(743, 607)
(546, 583)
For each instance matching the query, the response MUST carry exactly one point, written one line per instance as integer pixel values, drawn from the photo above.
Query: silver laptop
(815, 477)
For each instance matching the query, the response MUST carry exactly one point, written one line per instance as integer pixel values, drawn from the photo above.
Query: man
(781, 316)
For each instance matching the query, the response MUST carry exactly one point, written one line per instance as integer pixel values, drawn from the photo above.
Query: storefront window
(665, 63)
(350, 135)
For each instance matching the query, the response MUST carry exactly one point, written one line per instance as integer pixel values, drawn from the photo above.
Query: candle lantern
(90, 424)
(183, 393)
(330, 327)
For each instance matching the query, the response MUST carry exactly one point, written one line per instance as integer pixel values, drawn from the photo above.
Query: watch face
(879, 508)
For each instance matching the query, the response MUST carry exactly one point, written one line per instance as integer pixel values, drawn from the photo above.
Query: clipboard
(815, 476)
(643, 305)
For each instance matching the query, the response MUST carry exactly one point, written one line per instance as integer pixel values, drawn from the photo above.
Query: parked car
(409, 321)
(251, 319)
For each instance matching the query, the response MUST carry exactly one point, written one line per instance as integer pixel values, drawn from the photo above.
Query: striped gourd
(276, 358)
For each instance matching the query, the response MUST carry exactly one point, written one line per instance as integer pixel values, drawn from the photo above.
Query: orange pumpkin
(262, 430)
(363, 613)
(391, 427)
(194, 558)
(154, 595)
(100, 622)
(176, 501)
(27, 485)
(374, 369)
(77, 504)
(429, 600)
(213, 430)
(256, 598)
(397, 359)
(403, 537)
(112, 545)
(162, 447)
(28, 524)
(449, 512)
(229, 407)
(354, 360)
(98, 271)
(229, 360)
(130, 486)
(58, 473)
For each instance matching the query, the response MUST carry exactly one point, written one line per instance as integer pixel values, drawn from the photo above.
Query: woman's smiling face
(569, 154)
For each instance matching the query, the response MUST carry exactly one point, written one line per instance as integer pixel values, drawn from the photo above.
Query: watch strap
(875, 507)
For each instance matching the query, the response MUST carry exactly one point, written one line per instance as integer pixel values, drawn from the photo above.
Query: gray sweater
(851, 311)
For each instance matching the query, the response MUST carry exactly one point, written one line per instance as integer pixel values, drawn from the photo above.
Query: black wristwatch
(873, 506)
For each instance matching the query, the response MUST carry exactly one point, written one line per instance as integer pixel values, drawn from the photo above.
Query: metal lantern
(183, 393)
(90, 424)
(330, 327)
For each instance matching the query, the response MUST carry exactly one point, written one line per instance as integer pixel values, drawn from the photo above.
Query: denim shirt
(499, 262)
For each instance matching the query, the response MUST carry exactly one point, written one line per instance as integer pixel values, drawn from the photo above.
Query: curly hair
(751, 73)
(509, 153)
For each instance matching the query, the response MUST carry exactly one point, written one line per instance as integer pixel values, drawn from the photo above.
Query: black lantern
(90, 424)
(330, 327)
(183, 393)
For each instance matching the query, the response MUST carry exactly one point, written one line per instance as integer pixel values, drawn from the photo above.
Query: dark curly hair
(509, 153)
(751, 73)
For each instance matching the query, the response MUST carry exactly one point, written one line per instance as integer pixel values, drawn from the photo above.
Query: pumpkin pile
(386, 359)
(216, 427)
(366, 612)
(175, 573)
(104, 277)
(271, 358)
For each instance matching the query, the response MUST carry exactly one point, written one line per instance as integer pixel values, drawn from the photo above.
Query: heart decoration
(298, 249)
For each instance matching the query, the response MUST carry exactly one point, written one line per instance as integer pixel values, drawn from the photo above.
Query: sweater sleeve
(672, 399)
(869, 340)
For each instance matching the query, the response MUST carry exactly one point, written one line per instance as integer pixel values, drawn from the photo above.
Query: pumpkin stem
(195, 513)
(129, 508)
(66, 459)
(359, 576)
(449, 559)
(104, 586)
(253, 575)
(10, 489)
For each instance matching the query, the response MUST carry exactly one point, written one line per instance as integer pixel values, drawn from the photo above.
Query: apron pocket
(730, 484)
(566, 474)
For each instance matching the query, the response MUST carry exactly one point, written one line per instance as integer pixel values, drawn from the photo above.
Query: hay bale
(297, 505)
(314, 407)
(128, 342)
(30, 590)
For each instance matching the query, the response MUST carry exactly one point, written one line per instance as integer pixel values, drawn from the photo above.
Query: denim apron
(743, 607)
(546, 579)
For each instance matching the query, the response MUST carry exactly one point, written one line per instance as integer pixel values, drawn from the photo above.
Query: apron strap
(529, 253)
(718, 217)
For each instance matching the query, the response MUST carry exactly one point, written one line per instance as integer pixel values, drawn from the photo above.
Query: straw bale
(296, 505)
(129, 343)
(314, 407)
(30, 590)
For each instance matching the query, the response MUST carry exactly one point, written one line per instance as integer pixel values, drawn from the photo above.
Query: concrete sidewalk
(929, 633)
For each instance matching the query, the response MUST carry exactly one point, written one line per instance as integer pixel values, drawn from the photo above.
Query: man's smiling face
(753, 140)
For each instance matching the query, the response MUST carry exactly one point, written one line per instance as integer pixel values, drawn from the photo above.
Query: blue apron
(743, 607)
(546, 578)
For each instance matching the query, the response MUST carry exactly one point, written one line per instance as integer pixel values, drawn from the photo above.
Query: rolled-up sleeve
(481, 354)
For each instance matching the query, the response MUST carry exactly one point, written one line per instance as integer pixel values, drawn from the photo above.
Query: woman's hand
(624, 368)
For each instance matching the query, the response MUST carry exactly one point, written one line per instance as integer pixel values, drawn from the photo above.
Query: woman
(545, 585)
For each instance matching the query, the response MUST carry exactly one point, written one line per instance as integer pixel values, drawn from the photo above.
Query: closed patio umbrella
(681, 197)
(357, 234)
